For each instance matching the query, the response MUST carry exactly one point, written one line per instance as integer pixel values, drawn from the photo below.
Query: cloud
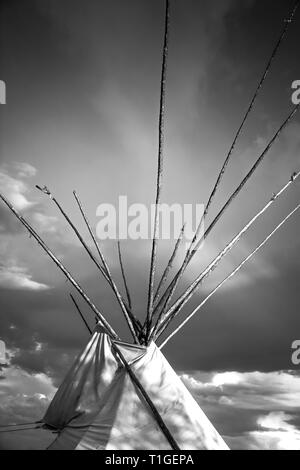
(19, 193)
(252, 410)
(24, 398)
(281, 388)
(24, 395)
(17, 266)
(19, 382)
(277, 421)
(43, 362)
(46, 223)
(277, 434)
(24, 170)
(15, 277)
(267, 440)
(15, 190)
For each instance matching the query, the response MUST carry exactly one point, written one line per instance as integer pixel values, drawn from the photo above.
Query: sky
(82, 82)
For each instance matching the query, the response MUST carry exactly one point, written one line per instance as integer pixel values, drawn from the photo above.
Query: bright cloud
(15, 190)
(227, 378)
(278, 433)
(275, 440)
(253, 410)
(14, 277)
(277, 421)
(251, 390)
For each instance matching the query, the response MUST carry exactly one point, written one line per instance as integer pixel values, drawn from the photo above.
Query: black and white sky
(83, 82)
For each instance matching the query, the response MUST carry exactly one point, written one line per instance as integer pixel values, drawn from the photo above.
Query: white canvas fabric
(99, 408)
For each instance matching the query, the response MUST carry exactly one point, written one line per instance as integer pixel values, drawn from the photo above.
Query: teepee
(123, 396)
(100, 407)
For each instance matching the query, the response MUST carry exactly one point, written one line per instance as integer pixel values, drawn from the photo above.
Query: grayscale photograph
(149, 227)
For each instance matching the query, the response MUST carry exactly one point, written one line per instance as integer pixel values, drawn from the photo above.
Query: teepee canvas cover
(99, 408)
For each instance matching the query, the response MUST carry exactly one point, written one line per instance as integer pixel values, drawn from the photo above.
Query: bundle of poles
(162, 309)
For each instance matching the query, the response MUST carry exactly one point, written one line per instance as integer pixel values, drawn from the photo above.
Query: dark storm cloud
(241, 61)
(245, 331)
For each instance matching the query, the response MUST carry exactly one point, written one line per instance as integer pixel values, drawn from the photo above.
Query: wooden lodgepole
(81, 314)
(132, 322)
(266, 71)
(163, 322)
(230, 276)
(124, 275)
(159, 169)
(104, 270)
(58, 263)
(166, 298)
